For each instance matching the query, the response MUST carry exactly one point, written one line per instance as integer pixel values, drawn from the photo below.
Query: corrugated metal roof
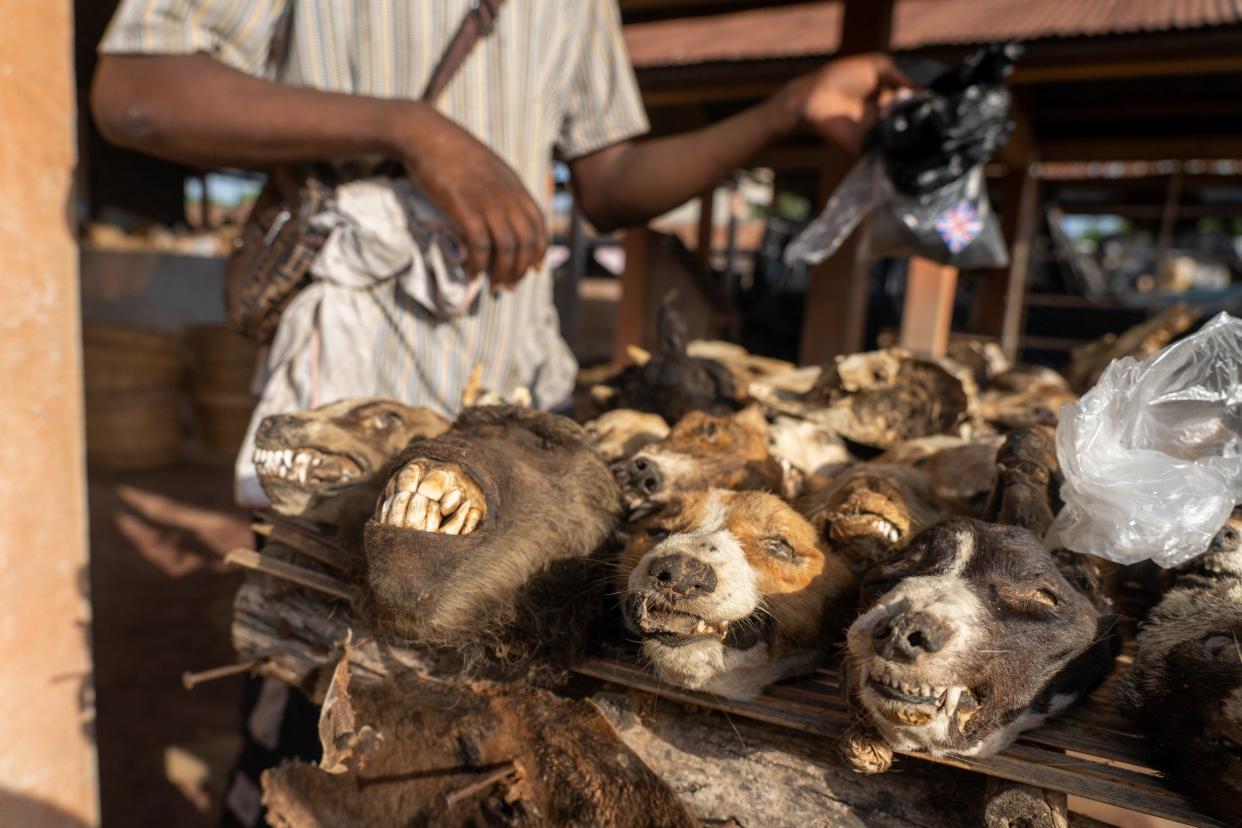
(815, 28)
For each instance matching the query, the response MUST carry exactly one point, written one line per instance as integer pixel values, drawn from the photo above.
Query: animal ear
(752, 416)
(673, 337)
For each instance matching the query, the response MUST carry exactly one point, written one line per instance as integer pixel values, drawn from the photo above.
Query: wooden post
(1001, 301)
(47, 773)
(835, 317)
(631, 315)
(927, 314)
(707, 227)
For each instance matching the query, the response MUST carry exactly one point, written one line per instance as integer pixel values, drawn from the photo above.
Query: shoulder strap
(478, 23)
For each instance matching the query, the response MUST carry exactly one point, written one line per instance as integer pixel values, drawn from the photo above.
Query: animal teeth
(951, 697)
(454, 524)
(416, 514)
(451, 500)
(472, 520)
(435, 484)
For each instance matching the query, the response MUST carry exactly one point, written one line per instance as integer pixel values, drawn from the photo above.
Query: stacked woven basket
(222, 364)
(133, 378)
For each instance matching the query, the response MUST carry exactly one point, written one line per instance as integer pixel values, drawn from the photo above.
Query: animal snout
(644, 475)
(682, 576)
(907, 636)
(277, 424)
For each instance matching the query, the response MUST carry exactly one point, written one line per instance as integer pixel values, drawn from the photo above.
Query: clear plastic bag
(1152, 455)
(922, 177)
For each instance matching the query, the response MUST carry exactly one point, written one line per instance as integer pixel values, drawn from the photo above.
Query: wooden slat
(1106, 761)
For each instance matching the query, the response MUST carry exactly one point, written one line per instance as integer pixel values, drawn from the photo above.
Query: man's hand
(633, 181)
(502, 226)
(841, 101)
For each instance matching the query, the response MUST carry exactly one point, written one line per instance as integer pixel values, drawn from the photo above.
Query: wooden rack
(1092, 751)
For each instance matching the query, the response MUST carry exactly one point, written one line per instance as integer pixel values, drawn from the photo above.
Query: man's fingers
(504, 252)
(889, 75)
(535, 242)
(476, 236)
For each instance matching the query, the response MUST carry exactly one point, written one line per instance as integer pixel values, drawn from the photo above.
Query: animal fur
(702, 451)
(521, 582)
(1184, 689)
(730, 591)
(673, 383)
(976, 632)
(572, 769)
(620, 434)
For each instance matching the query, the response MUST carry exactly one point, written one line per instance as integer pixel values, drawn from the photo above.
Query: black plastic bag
(922, 178)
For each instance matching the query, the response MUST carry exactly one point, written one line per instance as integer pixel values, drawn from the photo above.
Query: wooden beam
(999, 307)
(707, 226)
(631, 314)
(47, 713)
(927, 316)
(1143, 148)
(834, 319)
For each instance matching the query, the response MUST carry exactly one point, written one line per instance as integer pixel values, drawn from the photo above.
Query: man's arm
(631, 182)
(197, 110)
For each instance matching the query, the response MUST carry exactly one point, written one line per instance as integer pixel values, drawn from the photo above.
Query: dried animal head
(961, 472)
(1028, 483)
(1185, 687)
(730, 591)
(985, 358)
(702, 451)
(870, 510)
(971, 636)
(323, 464)
(806, 450)
(672, 383)
(884, 398)
(619, 434)
(1025, 396)
(1088, 361)
(483, 535)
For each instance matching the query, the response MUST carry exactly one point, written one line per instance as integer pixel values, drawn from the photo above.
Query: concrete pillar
(47, 753)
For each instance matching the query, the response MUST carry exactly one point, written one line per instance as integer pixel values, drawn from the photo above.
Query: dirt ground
(162, 601)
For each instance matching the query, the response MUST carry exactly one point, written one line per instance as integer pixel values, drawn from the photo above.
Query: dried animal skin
(535, 502)
(884, 398)
(962, 473)
(621, 433)
(1025, 396)
(870, 510)
(346, 746)
(1184, 689)
(572, 769)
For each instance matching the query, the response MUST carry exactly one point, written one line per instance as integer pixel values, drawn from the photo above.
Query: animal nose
(645, 475)
(906, 637)
(682, 576)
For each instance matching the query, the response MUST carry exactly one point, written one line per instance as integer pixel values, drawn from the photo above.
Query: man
(255, 83)
(187, 80)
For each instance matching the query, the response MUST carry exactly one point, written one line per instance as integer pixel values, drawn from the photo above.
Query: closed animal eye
(1041, 596)
(709, 431)
(657, 533)
(779, 548)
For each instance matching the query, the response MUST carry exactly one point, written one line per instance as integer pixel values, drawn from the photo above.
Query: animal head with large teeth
(483, 534)
(308, 461)
(701, 452)
(970, 636)
(870, 510)
(730, 591)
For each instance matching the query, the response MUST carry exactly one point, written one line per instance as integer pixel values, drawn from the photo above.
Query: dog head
(621, 433)
(307, 460)
(702, 451)
(729, 591)
(970, 636)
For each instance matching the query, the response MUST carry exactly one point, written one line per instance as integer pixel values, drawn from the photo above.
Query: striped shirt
(553, 77)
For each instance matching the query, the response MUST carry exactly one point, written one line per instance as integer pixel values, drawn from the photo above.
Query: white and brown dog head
(701, 452)
(310, 462)
(730, 591)
(971, 636)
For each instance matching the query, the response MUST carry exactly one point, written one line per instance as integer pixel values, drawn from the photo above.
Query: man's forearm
(197, 110)
(633, 182)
